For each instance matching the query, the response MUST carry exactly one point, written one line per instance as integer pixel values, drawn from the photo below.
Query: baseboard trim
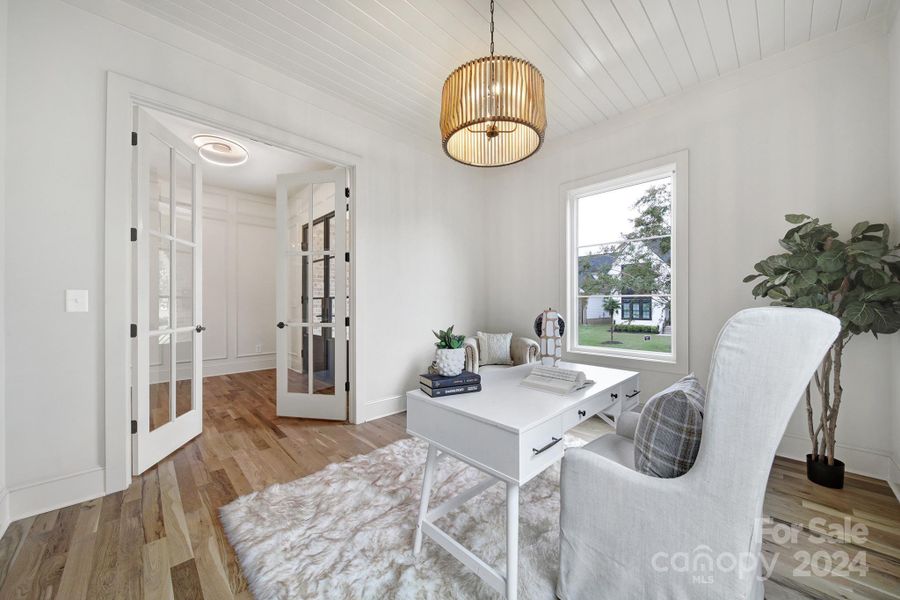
(35, 498)
(384, 408)
(4, 511)
(862, 461)
(894, 479)
(240, 365)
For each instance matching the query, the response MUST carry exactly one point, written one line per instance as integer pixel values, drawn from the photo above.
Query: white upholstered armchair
(623, 534)
(522, 350)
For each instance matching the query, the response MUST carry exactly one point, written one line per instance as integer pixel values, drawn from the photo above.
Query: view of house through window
(624, 252)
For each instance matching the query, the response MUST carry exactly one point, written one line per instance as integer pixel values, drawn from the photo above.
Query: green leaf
(889, 292)
(859, 228)
(750, 278)
(866, 259)
(796, 218)
(885, 318)
(859, 313)
(802, 261)
(875, 278)
(777, 293)
(809, 277)
(830, 261)
(871, 248)
(758, 290)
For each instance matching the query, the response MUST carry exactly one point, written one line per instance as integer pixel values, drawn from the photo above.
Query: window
(622, 272)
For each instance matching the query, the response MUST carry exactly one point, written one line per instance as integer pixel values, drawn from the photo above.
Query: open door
(312, 300)
(167, 373)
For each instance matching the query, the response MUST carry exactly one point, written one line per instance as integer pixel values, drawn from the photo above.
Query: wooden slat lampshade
(492, 111)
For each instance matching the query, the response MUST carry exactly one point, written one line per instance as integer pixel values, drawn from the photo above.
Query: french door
(167, 393)
(312, 294)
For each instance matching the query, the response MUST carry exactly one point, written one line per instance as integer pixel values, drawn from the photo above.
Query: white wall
(238, 282)
(799, 133)
(894, 168)
(418, 256)
(4, 507)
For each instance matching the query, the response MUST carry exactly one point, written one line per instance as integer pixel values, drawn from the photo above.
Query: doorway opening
(253, 253)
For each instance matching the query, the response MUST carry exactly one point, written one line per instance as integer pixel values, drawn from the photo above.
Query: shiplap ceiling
(599, 58)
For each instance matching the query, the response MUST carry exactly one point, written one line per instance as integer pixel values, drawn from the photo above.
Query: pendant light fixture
(492, 110)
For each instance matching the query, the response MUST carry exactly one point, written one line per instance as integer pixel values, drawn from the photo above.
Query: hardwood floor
(161, 537)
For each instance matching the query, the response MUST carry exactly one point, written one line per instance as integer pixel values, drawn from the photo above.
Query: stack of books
(438, 385)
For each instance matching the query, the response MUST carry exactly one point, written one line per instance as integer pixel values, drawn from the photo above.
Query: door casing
(123, 94)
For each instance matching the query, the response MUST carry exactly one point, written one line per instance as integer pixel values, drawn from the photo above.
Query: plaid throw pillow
(667, 438)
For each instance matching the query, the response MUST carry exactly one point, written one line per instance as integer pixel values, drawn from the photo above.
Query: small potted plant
(450, 356)
(858, 281)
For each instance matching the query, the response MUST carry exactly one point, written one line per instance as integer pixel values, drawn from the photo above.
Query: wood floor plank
(162, 539)
(173, 515)
(156, 573)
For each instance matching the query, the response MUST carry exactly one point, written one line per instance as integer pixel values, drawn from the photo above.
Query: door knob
(200, 329)
(280, 325)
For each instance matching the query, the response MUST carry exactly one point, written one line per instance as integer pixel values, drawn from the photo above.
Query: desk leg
(512, 540)
(426, 493)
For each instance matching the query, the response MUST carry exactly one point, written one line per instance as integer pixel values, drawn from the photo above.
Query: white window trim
(678, 361)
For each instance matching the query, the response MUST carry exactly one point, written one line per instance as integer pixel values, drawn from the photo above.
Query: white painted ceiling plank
(607, 19)
(318, 18)
(718, 27)
(512, 36)
(576, 13)
(282, 32)
(669, 33)
(745, 24)
(878, 7)
(555, 34)
(644, 36)
(771, 26)
(256, 52)
(797, 21)
(853, 12)
(687, 12)
(825, 16)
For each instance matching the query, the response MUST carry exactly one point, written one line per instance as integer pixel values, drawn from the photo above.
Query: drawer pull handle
(613, 396)
(636, 392)
(547, 447)
(582, 413)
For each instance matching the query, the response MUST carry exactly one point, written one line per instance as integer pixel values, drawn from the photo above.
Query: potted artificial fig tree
(858, 281)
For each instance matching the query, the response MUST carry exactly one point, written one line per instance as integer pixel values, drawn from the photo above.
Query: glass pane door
(311, 275)
(168, 374)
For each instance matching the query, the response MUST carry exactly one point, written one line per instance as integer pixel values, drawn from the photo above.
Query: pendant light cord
(492, 28)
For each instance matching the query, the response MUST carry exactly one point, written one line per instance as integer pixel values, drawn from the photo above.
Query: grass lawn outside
(596, 335)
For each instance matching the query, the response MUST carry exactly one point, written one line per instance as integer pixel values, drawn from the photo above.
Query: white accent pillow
(493, 348)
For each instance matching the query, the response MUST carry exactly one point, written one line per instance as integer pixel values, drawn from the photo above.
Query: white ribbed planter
(449, 361)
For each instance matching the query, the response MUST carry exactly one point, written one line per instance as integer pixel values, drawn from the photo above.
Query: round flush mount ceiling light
(220, 151)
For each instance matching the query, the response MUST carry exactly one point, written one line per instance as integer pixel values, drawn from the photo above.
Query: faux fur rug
(347, 531)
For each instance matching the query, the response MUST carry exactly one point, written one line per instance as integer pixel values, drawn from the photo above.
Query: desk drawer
(588, 409)
(541, 447)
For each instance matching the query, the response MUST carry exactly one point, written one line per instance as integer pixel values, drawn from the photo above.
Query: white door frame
(122, 95)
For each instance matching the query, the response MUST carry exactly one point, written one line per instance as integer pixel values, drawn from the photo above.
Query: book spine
(440, 383)
(451, 391)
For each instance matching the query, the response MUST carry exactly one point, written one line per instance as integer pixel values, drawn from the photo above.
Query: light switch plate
(76, 300)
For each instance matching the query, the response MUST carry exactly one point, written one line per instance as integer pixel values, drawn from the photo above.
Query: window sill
(634, 360)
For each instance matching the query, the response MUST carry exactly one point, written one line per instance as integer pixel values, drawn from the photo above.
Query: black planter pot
(820, 472)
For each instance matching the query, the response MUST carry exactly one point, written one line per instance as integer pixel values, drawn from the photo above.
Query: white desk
(511, 433)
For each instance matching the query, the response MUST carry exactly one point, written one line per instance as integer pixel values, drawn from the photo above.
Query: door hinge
(346, 386)
(346, 192)
(346, 256)
(347, 321)
(134, 138)
(133, 426)
(134, 234)
(134, 330)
